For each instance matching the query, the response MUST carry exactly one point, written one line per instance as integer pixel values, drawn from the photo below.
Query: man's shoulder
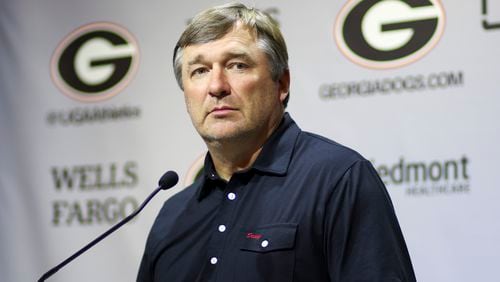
(179, 200)
(321, 148)
(170, 211)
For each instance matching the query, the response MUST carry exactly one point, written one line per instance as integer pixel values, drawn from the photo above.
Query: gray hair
(216, 22)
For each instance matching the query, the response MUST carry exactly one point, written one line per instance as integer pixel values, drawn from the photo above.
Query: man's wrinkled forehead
(236, 47)
(207, 34)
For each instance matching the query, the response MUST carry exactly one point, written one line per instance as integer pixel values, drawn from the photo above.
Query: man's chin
(223, 136)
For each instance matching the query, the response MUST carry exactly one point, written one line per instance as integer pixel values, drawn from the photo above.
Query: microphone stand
(163, 185)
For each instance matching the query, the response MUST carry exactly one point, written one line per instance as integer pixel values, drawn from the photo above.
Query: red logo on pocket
(254, 236)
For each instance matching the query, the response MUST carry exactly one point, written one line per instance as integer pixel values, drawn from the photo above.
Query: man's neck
(231, 156)
(226, 163)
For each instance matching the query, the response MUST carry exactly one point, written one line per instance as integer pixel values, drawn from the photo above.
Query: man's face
(228, 89)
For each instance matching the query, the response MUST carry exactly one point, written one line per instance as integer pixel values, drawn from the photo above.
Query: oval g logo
(388, 33)
(95, 62)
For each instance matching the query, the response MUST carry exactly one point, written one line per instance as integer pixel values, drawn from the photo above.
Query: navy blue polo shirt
(308, 209)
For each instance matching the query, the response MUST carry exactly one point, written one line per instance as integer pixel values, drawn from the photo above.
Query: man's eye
(238, 66)
(199, 71)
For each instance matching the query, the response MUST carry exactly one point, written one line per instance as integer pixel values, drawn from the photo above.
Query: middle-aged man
(274, 203)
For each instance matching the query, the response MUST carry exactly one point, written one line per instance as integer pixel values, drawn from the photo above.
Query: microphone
(168, 180)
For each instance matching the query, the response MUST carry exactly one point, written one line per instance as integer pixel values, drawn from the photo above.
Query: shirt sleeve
(363, 240)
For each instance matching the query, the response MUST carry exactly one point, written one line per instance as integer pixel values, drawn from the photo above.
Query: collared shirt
(308, 209)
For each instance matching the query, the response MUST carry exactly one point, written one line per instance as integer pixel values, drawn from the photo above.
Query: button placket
(222, 227)
(230, 196)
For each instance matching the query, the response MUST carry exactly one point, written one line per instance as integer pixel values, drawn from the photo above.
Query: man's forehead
(238, 40)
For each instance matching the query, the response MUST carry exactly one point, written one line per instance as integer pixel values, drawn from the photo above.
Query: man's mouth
(222, 110)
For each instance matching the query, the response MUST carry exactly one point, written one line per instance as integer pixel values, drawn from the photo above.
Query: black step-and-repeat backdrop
(91, 116)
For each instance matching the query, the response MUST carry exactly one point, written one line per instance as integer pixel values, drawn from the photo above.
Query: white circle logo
(95, 62)
(385, 34)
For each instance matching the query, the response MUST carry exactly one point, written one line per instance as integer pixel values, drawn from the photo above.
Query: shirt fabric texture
(308, 209)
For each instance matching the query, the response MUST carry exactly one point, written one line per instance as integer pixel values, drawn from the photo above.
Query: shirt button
(213, 260)
(231, 196)
(264, 244)
(222, 228)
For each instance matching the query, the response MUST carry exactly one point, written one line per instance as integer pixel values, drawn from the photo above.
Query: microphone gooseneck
(168, 180)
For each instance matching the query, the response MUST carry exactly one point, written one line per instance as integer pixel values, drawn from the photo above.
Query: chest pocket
(267, 253)
(269, 238)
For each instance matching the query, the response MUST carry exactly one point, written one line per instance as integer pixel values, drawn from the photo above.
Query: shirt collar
(273, 159)
(208, 177)
(278, 149)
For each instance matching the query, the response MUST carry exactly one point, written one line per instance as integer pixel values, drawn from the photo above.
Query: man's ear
(284, 85)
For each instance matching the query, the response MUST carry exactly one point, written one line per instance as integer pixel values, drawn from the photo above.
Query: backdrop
(91, 117)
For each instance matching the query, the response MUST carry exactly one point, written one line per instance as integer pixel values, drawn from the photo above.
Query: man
(274, 203)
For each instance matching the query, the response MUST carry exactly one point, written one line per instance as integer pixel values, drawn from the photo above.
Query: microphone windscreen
(168, 180)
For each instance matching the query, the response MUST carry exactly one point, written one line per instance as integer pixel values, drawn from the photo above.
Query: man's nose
(219, 85)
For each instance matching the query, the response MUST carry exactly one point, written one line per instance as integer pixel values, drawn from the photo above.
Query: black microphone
(168, 180)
